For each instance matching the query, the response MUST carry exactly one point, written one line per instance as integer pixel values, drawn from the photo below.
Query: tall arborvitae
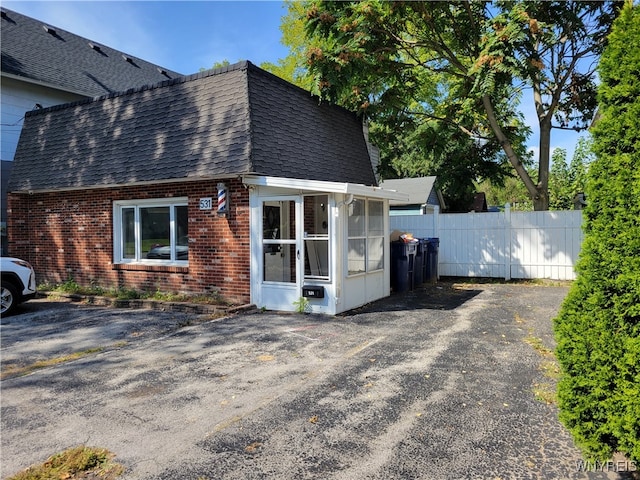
(598, 327)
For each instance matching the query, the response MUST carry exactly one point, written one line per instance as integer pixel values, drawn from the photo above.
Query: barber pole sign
(223, 206)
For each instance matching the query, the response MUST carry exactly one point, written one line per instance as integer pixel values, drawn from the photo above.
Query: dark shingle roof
(293, 130)
(63, 60)
(235, 120)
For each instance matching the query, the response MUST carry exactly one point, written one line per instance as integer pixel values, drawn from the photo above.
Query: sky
(186, 36)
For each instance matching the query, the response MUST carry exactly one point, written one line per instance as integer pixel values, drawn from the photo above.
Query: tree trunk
(532, 188)
(541, 200)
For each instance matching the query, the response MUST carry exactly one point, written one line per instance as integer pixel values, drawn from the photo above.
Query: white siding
(18, 97)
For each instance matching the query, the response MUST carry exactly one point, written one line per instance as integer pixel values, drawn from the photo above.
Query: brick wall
(70, 235)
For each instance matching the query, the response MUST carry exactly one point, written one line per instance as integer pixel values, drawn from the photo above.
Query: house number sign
(206, 203)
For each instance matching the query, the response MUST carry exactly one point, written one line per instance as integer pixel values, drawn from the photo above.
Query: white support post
(507, 241)
(436, 234)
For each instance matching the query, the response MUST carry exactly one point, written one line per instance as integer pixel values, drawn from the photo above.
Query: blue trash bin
(424, 242)
(402, 266)
(433, 245)
(418, 263)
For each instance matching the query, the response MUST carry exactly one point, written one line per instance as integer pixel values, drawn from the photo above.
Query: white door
(281, 253)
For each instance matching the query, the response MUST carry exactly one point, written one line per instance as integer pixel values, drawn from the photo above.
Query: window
(365, 236)
(151, 231)
(375, 236)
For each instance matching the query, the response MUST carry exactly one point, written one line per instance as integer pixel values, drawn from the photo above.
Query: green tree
(223, 63)
(464, 65)
(293, 68)
(578, 168)
(598, 327)
(511, 191)
(560, 183)
(414, 149)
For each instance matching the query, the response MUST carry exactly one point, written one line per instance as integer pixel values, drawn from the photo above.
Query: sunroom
(318, 246)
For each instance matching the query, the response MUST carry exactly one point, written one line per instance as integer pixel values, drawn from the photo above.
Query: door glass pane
(291, 264)
(288, 220)
(279, 263)
(279, 254)
(128, 233)
(155, 227)
(271, 222)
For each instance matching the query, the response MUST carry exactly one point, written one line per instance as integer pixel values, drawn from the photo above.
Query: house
(230, 181)
(422, 192)
(479, 203)
(43, 65)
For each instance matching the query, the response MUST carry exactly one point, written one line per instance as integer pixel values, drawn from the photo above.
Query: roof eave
(46, 84)
(198, 178)
(323, 186)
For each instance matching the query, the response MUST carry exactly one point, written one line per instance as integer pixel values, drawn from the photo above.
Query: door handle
(298, 254)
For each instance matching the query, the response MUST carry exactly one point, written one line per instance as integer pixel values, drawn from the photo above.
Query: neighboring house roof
(47, 55)
(421, 191)
(479, 203)
(235, 120)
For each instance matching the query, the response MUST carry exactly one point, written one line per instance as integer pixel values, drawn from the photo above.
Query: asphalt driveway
(435, 384)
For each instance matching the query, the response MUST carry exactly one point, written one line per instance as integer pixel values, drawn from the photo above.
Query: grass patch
(538, 346)
(71, 287)
(546, 390)
(74, 464)
(17, 370)
(540, 282)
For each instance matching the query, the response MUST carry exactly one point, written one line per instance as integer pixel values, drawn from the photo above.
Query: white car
(18, 283)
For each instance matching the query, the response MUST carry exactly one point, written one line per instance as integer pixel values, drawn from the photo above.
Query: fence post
(507, 241)
(436, 221)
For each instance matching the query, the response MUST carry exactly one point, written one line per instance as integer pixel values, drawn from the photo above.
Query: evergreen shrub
(598, 327)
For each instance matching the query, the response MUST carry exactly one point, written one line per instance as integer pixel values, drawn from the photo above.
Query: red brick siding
(70, 235)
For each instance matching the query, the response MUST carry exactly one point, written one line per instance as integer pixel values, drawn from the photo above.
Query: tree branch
(450, 122)
(508, 148)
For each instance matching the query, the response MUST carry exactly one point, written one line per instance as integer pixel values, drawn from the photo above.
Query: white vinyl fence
(501, 245)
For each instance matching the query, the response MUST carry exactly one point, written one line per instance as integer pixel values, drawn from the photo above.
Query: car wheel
(9, 298)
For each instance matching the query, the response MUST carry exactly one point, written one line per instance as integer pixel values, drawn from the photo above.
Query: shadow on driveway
(441, 296)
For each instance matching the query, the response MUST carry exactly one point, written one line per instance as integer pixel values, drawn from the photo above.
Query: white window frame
(366, 237)
(118, 240)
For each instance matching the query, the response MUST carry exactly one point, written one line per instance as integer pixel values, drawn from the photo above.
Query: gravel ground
(435, 384)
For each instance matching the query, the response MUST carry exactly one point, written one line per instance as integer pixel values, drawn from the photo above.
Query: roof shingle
(235, 120)
(63, 60)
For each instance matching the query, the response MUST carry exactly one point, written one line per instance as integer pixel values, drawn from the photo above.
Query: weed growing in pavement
(15, 370)
(70, 286)
(538, 346)
(302, 305)
(73, 464)
(544, 391)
